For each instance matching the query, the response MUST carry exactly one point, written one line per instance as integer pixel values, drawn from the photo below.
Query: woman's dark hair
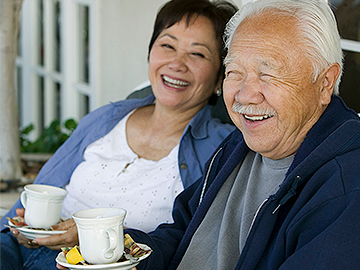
(218, 13)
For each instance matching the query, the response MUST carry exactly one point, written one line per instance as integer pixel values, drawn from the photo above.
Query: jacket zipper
(207, 175)
(256, 214)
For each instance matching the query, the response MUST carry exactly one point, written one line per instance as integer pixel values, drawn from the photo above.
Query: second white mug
(101, 234)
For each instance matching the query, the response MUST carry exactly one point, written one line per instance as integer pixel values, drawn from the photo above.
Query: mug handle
(113, 242)
(23, 198)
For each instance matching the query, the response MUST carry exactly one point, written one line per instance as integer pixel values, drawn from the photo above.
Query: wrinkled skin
(269, 71)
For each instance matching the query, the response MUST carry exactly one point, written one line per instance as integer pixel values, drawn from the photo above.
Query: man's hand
(55, 242)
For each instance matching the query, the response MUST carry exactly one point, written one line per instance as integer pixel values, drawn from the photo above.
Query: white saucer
(126, 265)
(32, 233)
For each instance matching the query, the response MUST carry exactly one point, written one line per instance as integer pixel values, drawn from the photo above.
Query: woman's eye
(167, 46)
(199, 55)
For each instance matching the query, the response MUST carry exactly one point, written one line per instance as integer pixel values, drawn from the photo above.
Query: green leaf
(49, 140)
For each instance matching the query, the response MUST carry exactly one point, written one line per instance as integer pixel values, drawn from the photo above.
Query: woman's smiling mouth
(178, 84)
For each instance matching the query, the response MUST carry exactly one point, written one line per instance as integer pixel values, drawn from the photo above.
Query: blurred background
(77, 55)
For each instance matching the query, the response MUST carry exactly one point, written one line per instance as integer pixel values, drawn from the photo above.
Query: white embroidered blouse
(112, 175)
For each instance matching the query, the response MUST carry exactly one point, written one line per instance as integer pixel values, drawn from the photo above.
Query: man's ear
(329, 77)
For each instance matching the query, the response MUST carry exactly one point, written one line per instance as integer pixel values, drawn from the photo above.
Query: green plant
(50, 139)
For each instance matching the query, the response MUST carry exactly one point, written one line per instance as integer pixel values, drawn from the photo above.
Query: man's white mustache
(252, 110)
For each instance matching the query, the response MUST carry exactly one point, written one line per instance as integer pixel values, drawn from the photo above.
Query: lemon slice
(73, 256)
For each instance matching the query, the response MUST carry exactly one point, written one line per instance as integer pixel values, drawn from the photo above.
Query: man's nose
(249, 92)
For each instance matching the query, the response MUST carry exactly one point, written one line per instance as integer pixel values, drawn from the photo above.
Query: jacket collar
(336, 114)
(196, 126)
(123, 107)
(332, 135)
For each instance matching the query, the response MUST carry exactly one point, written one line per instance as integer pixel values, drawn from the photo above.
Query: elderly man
(282, 191)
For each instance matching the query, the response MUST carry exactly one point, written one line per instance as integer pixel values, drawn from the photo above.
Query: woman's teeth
(175, 83)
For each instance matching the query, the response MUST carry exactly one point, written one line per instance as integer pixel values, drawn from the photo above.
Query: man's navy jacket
(313, 220)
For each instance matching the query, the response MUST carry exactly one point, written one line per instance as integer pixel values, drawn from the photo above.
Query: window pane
(350, 83)
(84, 43)
(347, 13)
(84, 105)
(57, 36)
(58, 100)
(41, 84)
(18, 78)
(40, 60)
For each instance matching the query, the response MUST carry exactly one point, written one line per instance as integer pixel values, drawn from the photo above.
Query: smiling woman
(183, 65)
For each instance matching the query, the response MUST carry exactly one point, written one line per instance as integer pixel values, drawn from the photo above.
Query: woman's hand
(55, 242)
(26, 242)
(68, 239)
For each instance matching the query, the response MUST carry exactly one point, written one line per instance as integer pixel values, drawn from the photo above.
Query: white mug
(42, 205)
(101, 234)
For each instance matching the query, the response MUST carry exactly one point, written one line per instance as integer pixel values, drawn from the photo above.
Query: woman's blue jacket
(199, 140)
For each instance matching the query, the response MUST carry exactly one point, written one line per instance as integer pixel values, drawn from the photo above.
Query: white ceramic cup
(42, 205)
(101, 234)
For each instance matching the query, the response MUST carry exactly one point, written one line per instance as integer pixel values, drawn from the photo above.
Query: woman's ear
(329, 78)
(218, 85)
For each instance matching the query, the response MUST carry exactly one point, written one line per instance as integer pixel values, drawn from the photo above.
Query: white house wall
(123, 44)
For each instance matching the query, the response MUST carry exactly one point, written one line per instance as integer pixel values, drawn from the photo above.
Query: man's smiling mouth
(253, 113)
(255, 118)
(174, 83)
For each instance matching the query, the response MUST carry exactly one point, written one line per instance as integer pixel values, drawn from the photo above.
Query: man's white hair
(317, 25)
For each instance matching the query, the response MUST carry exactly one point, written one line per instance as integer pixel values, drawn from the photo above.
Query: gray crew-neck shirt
(221, 236)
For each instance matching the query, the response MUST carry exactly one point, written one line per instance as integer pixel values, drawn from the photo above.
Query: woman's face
(184, 63)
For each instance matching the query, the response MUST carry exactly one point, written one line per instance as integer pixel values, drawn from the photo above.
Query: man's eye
(230, 73)
(265, 76)
(234, 75)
